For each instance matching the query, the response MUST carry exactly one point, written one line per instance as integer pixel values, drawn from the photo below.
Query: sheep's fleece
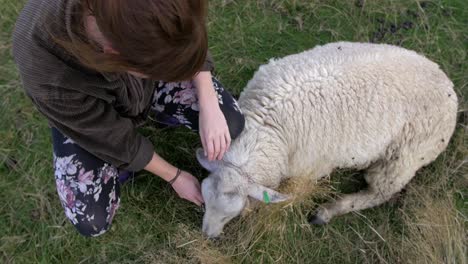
(342, 105)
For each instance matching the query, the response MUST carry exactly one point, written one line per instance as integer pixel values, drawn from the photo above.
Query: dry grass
(266, 223)
(431, 231)
(435, 231)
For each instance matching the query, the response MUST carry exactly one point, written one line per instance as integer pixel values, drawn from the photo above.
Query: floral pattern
(176, 103)
(80, 187)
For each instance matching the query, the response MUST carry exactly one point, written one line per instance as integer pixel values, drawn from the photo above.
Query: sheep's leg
(384, 180)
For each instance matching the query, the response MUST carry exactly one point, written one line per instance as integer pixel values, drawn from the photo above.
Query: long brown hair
(164, 40)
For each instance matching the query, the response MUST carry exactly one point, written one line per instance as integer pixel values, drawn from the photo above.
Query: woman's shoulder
(44, 67)
(31, 43)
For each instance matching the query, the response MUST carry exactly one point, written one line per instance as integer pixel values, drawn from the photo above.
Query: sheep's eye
(230, 195)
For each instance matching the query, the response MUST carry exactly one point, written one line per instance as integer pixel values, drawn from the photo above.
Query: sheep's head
(226, 193)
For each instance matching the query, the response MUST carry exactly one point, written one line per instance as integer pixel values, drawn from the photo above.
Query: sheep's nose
(210, 235)
(215, 240)
(205, 231)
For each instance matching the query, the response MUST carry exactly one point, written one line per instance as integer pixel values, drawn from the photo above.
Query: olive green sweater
(100, 112)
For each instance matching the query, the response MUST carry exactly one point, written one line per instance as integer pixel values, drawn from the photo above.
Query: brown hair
(164, 40)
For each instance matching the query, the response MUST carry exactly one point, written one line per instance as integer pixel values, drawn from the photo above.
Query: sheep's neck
(261, 158)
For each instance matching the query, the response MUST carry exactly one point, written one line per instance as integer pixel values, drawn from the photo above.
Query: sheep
(342, 105)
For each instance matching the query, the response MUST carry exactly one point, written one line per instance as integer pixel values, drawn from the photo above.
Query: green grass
(425, 224)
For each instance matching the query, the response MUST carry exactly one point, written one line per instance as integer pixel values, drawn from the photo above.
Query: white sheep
(342, 105)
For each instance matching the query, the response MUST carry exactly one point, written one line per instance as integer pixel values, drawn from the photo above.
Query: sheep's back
(346, 98)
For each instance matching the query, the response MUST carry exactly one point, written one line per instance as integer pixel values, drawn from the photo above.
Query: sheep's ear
(205, 163)
(266, 195)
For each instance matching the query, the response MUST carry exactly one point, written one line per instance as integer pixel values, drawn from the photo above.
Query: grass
(425, 224)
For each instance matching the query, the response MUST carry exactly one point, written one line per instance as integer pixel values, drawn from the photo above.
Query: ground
(426, 223)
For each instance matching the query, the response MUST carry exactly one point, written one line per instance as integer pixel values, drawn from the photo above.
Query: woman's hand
(214, 131)
(188, 188)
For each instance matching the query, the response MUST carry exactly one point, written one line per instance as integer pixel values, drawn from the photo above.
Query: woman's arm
(206, 94)
(160, 167)
(186, 185)
(96, 126)
(214, 131)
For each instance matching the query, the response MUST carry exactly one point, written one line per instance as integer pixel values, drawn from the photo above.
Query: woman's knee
(93, 222)
(92, 219)
(90, 198)
(92, 228)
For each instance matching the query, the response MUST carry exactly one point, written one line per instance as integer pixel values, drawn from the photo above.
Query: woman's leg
(88, 187)
(177, 104)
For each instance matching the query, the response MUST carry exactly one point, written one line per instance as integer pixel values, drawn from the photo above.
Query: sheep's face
(226, 193)
(221, 205)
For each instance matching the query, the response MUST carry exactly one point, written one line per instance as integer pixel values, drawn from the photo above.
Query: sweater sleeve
(96, 127)
(209, 63)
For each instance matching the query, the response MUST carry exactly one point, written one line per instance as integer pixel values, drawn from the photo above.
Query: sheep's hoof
(316, 220)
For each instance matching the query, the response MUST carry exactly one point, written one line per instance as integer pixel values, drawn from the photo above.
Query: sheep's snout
(211, 231)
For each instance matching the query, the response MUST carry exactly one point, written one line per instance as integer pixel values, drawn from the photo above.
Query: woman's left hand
(214, 132)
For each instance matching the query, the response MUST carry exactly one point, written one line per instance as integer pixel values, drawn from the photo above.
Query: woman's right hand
(188, 188)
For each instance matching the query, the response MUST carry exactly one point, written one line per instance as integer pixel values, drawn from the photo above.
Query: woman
(96, 69)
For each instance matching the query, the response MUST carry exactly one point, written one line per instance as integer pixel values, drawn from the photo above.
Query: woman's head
(164, 40)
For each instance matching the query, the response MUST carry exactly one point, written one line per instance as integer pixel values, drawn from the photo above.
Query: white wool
(344, 105)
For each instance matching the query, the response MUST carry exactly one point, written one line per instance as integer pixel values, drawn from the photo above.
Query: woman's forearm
(207, 96)
(207, 99)
(161, 168)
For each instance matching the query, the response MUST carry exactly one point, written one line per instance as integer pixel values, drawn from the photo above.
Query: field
(426, 223)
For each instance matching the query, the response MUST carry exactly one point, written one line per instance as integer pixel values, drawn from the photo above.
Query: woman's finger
(216, 143)
(211, 149)
(227, 137)
(195, 201)
(203, 141)
(200, 194)
(222, 148)
(199, 198)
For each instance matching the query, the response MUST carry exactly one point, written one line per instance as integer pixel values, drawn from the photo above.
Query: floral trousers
(89, 188)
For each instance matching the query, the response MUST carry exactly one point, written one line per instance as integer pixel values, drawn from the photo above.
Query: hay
(435, 231)
(264, 223)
